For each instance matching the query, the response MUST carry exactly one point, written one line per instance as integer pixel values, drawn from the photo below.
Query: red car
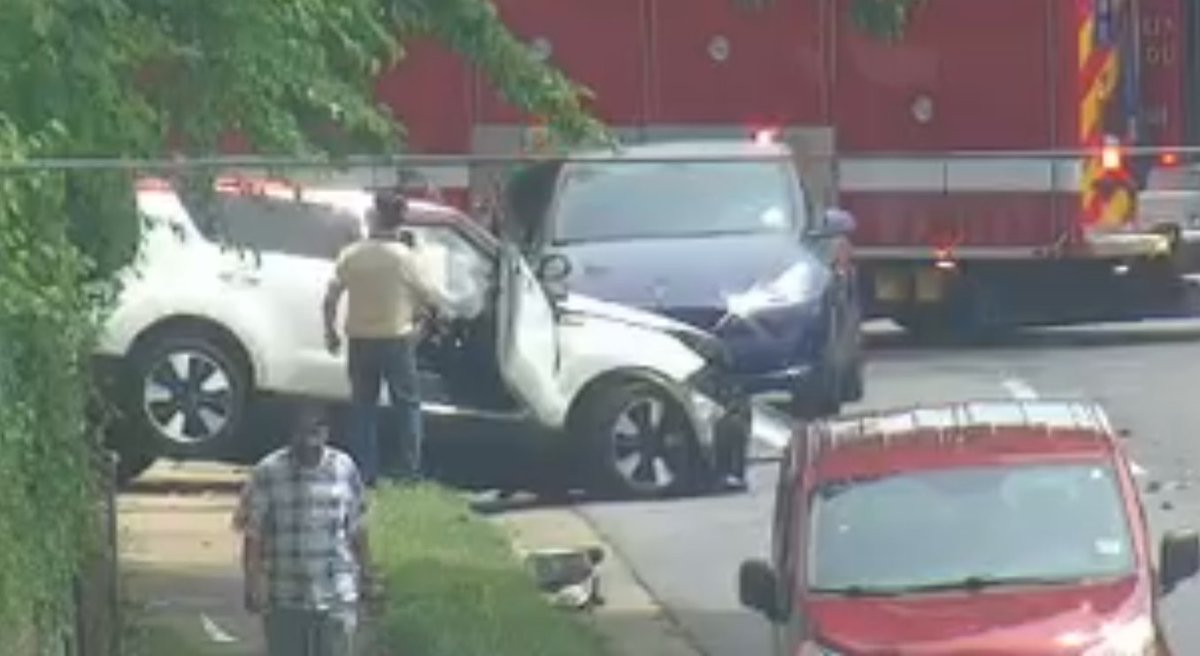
(978, 528)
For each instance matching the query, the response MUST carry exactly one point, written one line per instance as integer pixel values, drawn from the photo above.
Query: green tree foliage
(884, 19)
(136, 78)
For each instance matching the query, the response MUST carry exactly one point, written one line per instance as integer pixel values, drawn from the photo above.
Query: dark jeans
(371, 363)
(294, 632)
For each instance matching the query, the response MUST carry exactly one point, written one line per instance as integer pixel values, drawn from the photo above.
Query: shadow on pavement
(184, 486)
(726, 633)
(495, 504)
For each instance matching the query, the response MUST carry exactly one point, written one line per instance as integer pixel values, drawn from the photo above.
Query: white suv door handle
(238, 277)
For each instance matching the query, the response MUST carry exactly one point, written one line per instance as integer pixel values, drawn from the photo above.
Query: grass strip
(455, 587)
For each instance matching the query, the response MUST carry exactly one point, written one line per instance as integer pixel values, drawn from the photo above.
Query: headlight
(802, 282)
(1136, 638)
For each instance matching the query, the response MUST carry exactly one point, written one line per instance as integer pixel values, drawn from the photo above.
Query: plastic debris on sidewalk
(568, 576)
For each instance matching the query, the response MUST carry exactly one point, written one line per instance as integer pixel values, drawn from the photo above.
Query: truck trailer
(992, 156)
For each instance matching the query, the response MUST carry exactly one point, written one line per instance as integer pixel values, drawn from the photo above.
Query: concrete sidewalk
(630, 620)
(180, 558)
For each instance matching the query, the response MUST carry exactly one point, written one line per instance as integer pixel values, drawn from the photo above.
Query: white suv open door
(528, 339)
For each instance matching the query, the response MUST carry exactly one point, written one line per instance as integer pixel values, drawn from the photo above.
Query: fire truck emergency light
(1169, 159)
(1110, 156)
(766, 137)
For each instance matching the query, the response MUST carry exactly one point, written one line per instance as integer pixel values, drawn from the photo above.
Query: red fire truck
(986, 155)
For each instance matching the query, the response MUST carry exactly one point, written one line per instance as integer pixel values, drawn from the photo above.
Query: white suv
(522, 384)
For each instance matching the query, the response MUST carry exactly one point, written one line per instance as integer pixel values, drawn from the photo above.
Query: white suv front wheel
(191, 389)
(640, 443)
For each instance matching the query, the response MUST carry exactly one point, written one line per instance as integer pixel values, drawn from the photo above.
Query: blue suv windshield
(638, 200)
(942, 529)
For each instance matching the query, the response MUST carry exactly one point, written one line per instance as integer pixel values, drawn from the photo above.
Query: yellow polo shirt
(386, 286)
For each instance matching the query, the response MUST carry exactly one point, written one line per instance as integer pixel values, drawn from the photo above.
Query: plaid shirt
(305, 519)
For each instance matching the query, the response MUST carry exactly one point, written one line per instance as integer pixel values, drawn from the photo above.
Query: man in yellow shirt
(387, 293)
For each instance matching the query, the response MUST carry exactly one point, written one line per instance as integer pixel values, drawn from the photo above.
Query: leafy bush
(136, 79)
(45, 325)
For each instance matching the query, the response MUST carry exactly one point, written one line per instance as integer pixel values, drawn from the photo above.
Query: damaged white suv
(522, 390)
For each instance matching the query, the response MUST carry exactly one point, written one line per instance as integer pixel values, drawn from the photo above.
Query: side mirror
(838, 223)
(1179, 558)
(758, 589)
(553, 270)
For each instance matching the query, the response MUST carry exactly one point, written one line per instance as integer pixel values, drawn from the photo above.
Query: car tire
(189, 393)
(853, 379)
(131, 464)
(854, 383)
(638, 442)
(821, 395)
(133, 455)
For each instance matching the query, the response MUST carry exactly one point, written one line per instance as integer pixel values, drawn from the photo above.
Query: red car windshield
(948, 528)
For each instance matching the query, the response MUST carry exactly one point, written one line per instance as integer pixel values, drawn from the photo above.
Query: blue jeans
(372, 363)
(295, 632)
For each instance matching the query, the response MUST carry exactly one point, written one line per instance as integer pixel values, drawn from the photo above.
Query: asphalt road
(688, 551)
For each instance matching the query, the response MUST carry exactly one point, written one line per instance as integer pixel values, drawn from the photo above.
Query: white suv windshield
(945, 527)
(637, 200)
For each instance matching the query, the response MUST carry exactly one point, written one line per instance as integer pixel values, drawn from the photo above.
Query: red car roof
(976, 433)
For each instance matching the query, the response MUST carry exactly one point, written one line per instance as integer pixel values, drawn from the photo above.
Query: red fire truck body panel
(975, 138)
(715, 62)
(1163, 52)
(430, 93)
(968, 76)
(986, 68)
(601, 45)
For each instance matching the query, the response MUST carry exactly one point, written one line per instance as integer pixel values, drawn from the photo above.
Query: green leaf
(886, 20)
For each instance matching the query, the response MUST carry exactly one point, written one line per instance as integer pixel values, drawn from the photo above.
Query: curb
(666, 615)
(631, 620)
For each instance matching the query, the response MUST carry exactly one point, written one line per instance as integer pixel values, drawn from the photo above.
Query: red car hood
(1011, 621)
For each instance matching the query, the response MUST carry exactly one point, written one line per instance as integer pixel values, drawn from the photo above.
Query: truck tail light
(1169, 159)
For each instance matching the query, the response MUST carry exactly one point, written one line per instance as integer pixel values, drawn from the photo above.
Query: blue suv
(719, 234)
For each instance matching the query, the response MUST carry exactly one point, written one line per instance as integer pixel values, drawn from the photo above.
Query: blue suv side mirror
(838, 223)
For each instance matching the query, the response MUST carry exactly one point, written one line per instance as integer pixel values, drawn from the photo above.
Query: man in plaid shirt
(305, 548)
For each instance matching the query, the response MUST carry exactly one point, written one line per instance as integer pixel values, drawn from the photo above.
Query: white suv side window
(462, 271)
(273, 225)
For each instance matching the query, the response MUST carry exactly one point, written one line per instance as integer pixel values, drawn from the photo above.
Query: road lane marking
(1023, 391)
(214, 632)
(1019, 389)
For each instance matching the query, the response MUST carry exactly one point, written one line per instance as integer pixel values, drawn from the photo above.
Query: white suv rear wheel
(191, 392)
